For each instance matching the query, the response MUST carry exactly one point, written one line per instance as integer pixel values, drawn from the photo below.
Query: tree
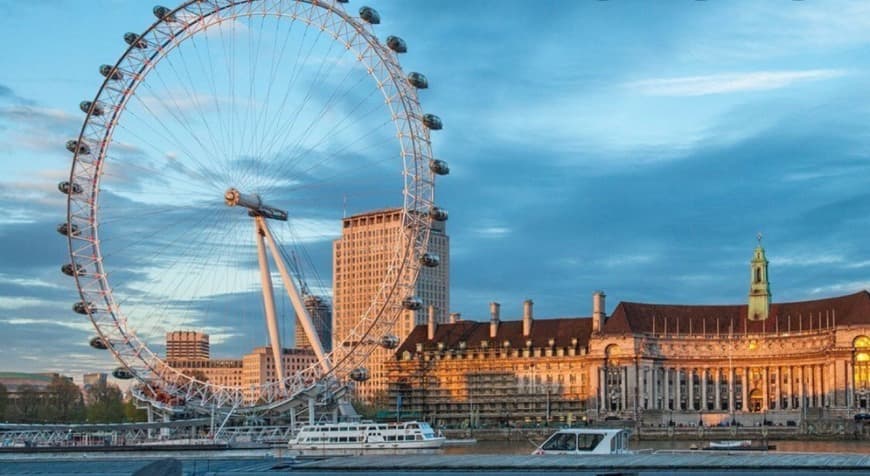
(62, 402)
(133, 414)
(106, 405)
(27, 405)
(4, 403)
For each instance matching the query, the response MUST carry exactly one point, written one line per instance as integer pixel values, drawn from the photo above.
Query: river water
(526, 447)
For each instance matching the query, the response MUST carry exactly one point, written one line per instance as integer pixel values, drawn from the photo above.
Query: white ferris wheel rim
(105, 313)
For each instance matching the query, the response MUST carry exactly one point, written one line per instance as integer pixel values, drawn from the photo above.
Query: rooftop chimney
(527, 317)
(494, 309)
(598, 315)
(455, 317)
(431, 333)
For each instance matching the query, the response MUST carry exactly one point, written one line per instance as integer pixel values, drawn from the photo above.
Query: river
(526, 447)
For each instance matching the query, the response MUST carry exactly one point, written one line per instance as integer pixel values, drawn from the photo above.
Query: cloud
(724, 83)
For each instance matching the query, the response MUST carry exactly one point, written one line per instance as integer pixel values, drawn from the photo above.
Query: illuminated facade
(360, 260)
(186, 345)
(250, 372)
(646, 362)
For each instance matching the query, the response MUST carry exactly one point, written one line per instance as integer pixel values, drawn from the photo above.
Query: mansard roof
(670, 319)
(561, 330)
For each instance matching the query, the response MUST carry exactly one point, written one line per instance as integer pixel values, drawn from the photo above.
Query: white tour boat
(586, 441)
(365, 437)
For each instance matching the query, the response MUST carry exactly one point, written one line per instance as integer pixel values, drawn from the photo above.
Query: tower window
(757, 275)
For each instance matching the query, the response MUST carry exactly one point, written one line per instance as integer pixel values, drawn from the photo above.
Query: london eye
(210, 176)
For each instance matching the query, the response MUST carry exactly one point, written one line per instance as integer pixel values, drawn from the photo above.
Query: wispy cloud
(724, 83)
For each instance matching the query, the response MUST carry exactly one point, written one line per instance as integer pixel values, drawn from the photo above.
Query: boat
(585, 441)
(738, 445)
(365, 437)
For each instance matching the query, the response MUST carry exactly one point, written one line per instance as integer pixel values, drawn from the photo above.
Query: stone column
(818, 387)
(651, 384)
(731, 389)
(850, 385)
(602, 390)
(677, 390)
(667, 393)
(765, 388)
(717, 389)
(623, 376)
(745, 389)
(703, 405)
(802, 385)
(777, 394)
(789, 403)
(690, 381)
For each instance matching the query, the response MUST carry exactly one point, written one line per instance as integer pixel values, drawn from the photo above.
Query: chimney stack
(598, 315)
(494, 309)
(527, 317)
(431, 333)
(455, 317)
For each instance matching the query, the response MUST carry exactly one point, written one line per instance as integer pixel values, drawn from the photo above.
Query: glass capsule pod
(418, 80)
(412, 303)
(370, 15)
(432, 121)
(438, 214)
(72, 270)
(97, 342)
(86, 107)
(110, 72)
(430, 260)
(122, 373)
(68, 188)
(77, 147)
(66, 229)
(360, 374)
(397, 44)
(439, 167)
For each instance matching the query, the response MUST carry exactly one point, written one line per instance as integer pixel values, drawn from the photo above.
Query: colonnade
(730, 388)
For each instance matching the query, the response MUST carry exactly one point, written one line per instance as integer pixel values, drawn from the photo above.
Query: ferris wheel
(210, 178)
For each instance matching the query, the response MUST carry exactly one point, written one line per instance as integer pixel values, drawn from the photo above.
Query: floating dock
(715, 462)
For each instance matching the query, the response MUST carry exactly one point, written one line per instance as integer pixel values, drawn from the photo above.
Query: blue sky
(626, 146)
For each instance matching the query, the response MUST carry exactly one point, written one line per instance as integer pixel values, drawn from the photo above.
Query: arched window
(757, 275)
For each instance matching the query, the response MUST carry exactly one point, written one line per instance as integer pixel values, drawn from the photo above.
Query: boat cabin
(585, 441)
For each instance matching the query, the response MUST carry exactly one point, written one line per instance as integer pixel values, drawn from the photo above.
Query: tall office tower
(186, 345)
(321, 314)
(359, 263)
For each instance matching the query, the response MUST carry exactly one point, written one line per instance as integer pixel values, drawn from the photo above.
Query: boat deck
(654, 462)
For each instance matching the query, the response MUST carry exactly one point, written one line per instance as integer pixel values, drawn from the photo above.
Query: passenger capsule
(98, 343)
(110, 72)
(83, 308)
(430, 260)
(72, 270)
(86, 107)
(397, 44)
(163, 13)
(122, 373)
(77, 147)
(412, 303)
(66, 229)
(360, 374)
(69, 189)
(432, 121)
(418, 80)
(135, 41)
(438, 214)
(389, 341)
(439, 167)
(341, 1)
(370, 15)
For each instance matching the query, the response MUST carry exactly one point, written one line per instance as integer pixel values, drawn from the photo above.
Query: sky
(625, 146)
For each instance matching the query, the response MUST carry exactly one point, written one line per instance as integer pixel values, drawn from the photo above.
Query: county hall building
(652, 363)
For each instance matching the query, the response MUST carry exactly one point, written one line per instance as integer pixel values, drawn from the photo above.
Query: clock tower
(759, 288)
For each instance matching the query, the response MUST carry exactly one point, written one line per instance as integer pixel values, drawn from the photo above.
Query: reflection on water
(526, 447)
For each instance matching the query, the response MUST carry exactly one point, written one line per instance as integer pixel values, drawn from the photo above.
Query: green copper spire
(759, 288)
